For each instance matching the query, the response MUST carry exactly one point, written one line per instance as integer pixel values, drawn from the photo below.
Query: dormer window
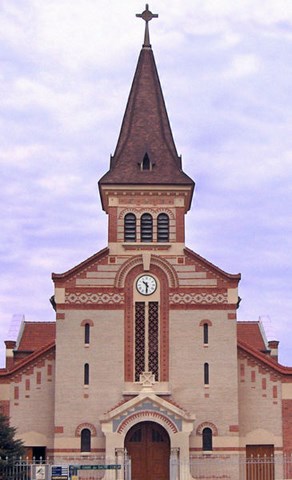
(146, 163)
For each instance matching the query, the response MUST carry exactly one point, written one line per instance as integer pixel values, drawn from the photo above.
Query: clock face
(146, 285)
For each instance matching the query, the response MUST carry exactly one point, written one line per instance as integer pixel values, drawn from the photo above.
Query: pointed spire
(147, 16)
(146, 153)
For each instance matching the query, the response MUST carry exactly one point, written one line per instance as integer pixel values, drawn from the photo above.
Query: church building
(145, 356)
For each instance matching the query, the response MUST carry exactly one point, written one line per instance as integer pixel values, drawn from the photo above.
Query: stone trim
(81, 427)
(203, 425)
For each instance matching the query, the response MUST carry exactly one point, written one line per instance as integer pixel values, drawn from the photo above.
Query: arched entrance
(148, 445)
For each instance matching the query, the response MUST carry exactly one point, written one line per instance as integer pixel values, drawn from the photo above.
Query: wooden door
(260, 462)
(148, 445)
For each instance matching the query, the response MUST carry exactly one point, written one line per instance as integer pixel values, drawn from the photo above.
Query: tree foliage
(10, 448)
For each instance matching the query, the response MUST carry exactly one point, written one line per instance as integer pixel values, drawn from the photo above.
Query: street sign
(112, 466)
(59, 472)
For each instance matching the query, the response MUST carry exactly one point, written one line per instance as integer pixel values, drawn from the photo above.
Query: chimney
(10, 345)
(273, 346)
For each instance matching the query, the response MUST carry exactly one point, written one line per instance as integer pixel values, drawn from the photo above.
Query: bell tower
(145, 192)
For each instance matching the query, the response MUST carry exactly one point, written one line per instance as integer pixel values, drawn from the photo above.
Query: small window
(85, 440)
(207, 439)
(87, 333)
(156, 436)
(86, 374)
(162, 228)
(206, 373)
(146, 164)
(206, 333)
(130, 228)
(136, 436)
(146, 228)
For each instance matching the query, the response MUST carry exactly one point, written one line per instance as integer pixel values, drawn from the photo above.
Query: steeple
(146, 153)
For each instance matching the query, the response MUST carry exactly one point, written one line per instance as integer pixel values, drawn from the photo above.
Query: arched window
(85, 440)
(86, 374)
(162, 228)
(206, 333)
(146, 228)
(206, 373)
(130, 228)
(207, 439)
(87, 333)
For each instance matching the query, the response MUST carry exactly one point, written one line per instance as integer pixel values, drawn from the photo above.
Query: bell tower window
(146, 228)
(130, 228)
(162, 228)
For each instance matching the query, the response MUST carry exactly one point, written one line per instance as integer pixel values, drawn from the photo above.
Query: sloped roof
(250, 332)
(264, 358)
(35, 335)
(146, 130)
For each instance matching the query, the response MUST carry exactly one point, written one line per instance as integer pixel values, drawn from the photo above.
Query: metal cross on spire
(147, 16)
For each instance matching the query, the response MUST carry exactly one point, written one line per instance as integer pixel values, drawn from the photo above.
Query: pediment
(148, 407)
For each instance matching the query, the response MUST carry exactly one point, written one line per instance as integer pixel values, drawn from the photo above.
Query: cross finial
(147, 16)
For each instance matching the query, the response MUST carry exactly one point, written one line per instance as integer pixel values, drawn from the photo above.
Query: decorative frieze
(192, 298)
(94, 298)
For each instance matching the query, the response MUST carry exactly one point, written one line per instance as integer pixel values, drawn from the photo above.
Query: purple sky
(226, 74)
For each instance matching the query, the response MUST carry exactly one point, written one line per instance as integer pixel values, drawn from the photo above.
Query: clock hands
(146, 285)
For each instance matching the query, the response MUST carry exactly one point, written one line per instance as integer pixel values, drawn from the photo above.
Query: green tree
(10, 448)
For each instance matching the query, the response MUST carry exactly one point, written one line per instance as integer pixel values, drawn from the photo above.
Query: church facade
(146, 355)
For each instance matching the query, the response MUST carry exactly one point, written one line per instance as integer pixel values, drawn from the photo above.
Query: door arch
(148, 445)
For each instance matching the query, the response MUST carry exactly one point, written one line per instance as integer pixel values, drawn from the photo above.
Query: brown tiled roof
(146, 129)
(265, 359)
(36, 335)
(250, 333)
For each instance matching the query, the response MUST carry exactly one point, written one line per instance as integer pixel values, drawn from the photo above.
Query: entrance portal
(148, 445)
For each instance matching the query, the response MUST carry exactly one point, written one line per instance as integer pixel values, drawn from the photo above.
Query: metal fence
(204, 467)
(238, 467)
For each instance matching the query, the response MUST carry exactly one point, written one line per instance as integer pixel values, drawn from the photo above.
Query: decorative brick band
(204, 322)
(95, 298)
(87, 322)
(190, 298)
(137, 261)
(139, 212)
(147, 415)
(82, 426)
(203, 425)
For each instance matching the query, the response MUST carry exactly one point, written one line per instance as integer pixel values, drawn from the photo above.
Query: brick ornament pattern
(193, 298)
(95, 298)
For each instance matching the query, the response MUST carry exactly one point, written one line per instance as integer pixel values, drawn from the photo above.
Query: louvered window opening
(146, 228)
(130, 228)
(162, 228)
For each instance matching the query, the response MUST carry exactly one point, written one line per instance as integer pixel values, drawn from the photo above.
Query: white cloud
(66, 70)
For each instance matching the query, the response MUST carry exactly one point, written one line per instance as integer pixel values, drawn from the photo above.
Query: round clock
(146, 285)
